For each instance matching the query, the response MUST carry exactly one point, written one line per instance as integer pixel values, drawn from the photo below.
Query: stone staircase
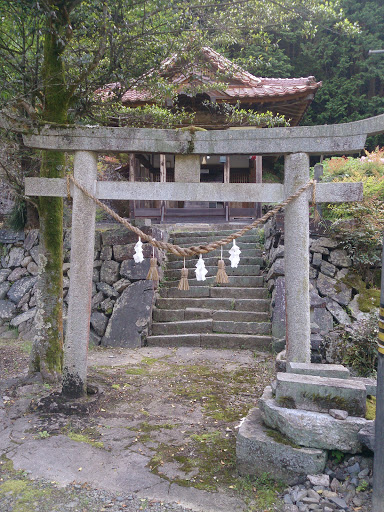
(234, 315)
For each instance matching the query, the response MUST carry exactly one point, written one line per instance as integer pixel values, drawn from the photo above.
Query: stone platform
(299, 418)
(260, 449)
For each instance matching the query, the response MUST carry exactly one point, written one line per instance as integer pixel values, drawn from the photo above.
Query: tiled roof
(242, 85)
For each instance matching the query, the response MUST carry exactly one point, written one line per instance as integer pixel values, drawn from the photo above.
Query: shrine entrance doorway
(212, 169)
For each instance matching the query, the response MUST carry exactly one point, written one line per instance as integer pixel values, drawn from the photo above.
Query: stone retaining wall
(121, 295)
(337, 294)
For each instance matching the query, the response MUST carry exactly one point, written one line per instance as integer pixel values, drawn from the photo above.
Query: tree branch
(98, 55)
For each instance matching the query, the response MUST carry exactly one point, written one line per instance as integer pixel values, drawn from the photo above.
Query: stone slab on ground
(336, 371)
(257, 452)
(312, 429)
(320, 394)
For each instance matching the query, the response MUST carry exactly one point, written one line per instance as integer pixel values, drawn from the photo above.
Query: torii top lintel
(314, 140)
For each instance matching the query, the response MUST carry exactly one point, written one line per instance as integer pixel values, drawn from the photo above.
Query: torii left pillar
(82, 255)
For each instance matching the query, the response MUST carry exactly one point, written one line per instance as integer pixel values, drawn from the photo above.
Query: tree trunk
(47, 352)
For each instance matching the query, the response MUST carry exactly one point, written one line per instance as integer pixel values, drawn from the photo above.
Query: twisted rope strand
(199, 249)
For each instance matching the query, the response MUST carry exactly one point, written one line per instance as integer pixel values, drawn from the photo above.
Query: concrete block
(262, 450)
(312, 429)
(336, 371)
(320, 394)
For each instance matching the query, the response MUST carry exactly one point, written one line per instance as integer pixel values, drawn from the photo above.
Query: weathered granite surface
(258, 452)
(128, 325)
(319, 394)
(313, 429)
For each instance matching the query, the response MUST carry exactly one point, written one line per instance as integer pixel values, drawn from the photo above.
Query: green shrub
(358, 347)
(18, 215)
(359, 225)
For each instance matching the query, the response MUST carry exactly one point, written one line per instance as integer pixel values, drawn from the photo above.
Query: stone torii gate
(296, 144)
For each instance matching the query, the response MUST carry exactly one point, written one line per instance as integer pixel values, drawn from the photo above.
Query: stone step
(337, 371)
(242, 245)
(320, 394)
(198, 240)
(210, 326)
(202, 237)
(215, 232)
(253, 305)
(177, 315)
(233, 281)
(261, 450)
(230, 327)
(216, 292)
(241, 270)
(312, 429)
(241, 316)
(183, 327)
(215, 340)
(176, 340)
(246, 263)
(245, 253)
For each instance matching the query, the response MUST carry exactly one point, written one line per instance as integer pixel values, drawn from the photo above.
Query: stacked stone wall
(335, 288)
(122, 298)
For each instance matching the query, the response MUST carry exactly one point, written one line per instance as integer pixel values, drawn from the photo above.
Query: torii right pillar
(296, 251)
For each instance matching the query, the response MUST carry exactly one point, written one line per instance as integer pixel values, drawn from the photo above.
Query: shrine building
(290, 97)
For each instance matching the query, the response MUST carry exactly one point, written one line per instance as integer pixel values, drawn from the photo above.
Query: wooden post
(80, 287)
(227, 179)
(163, 179)
(259, 179)
(132, 170)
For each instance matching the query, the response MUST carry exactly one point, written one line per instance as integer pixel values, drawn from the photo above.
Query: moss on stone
(369, 298)
(371, 408)
(329, 401)
(136, 371)
(279, 438)
(287, 402)
(83, 438)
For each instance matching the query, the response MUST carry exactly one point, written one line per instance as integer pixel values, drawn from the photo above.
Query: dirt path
(162, 437)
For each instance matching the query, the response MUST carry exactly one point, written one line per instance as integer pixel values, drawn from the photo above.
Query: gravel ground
(345, 485)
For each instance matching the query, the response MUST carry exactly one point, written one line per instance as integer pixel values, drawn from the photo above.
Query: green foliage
(153, 116)
(44, 434)
(363, 486)
(18, 215)
(358, 346)
(352, 80)
(359, 226)
(371, 408)
(337, 456)
(237, 116)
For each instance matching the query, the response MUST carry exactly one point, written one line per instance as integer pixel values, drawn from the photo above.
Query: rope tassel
(183, 284)
(153, 273)
(221, 276)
